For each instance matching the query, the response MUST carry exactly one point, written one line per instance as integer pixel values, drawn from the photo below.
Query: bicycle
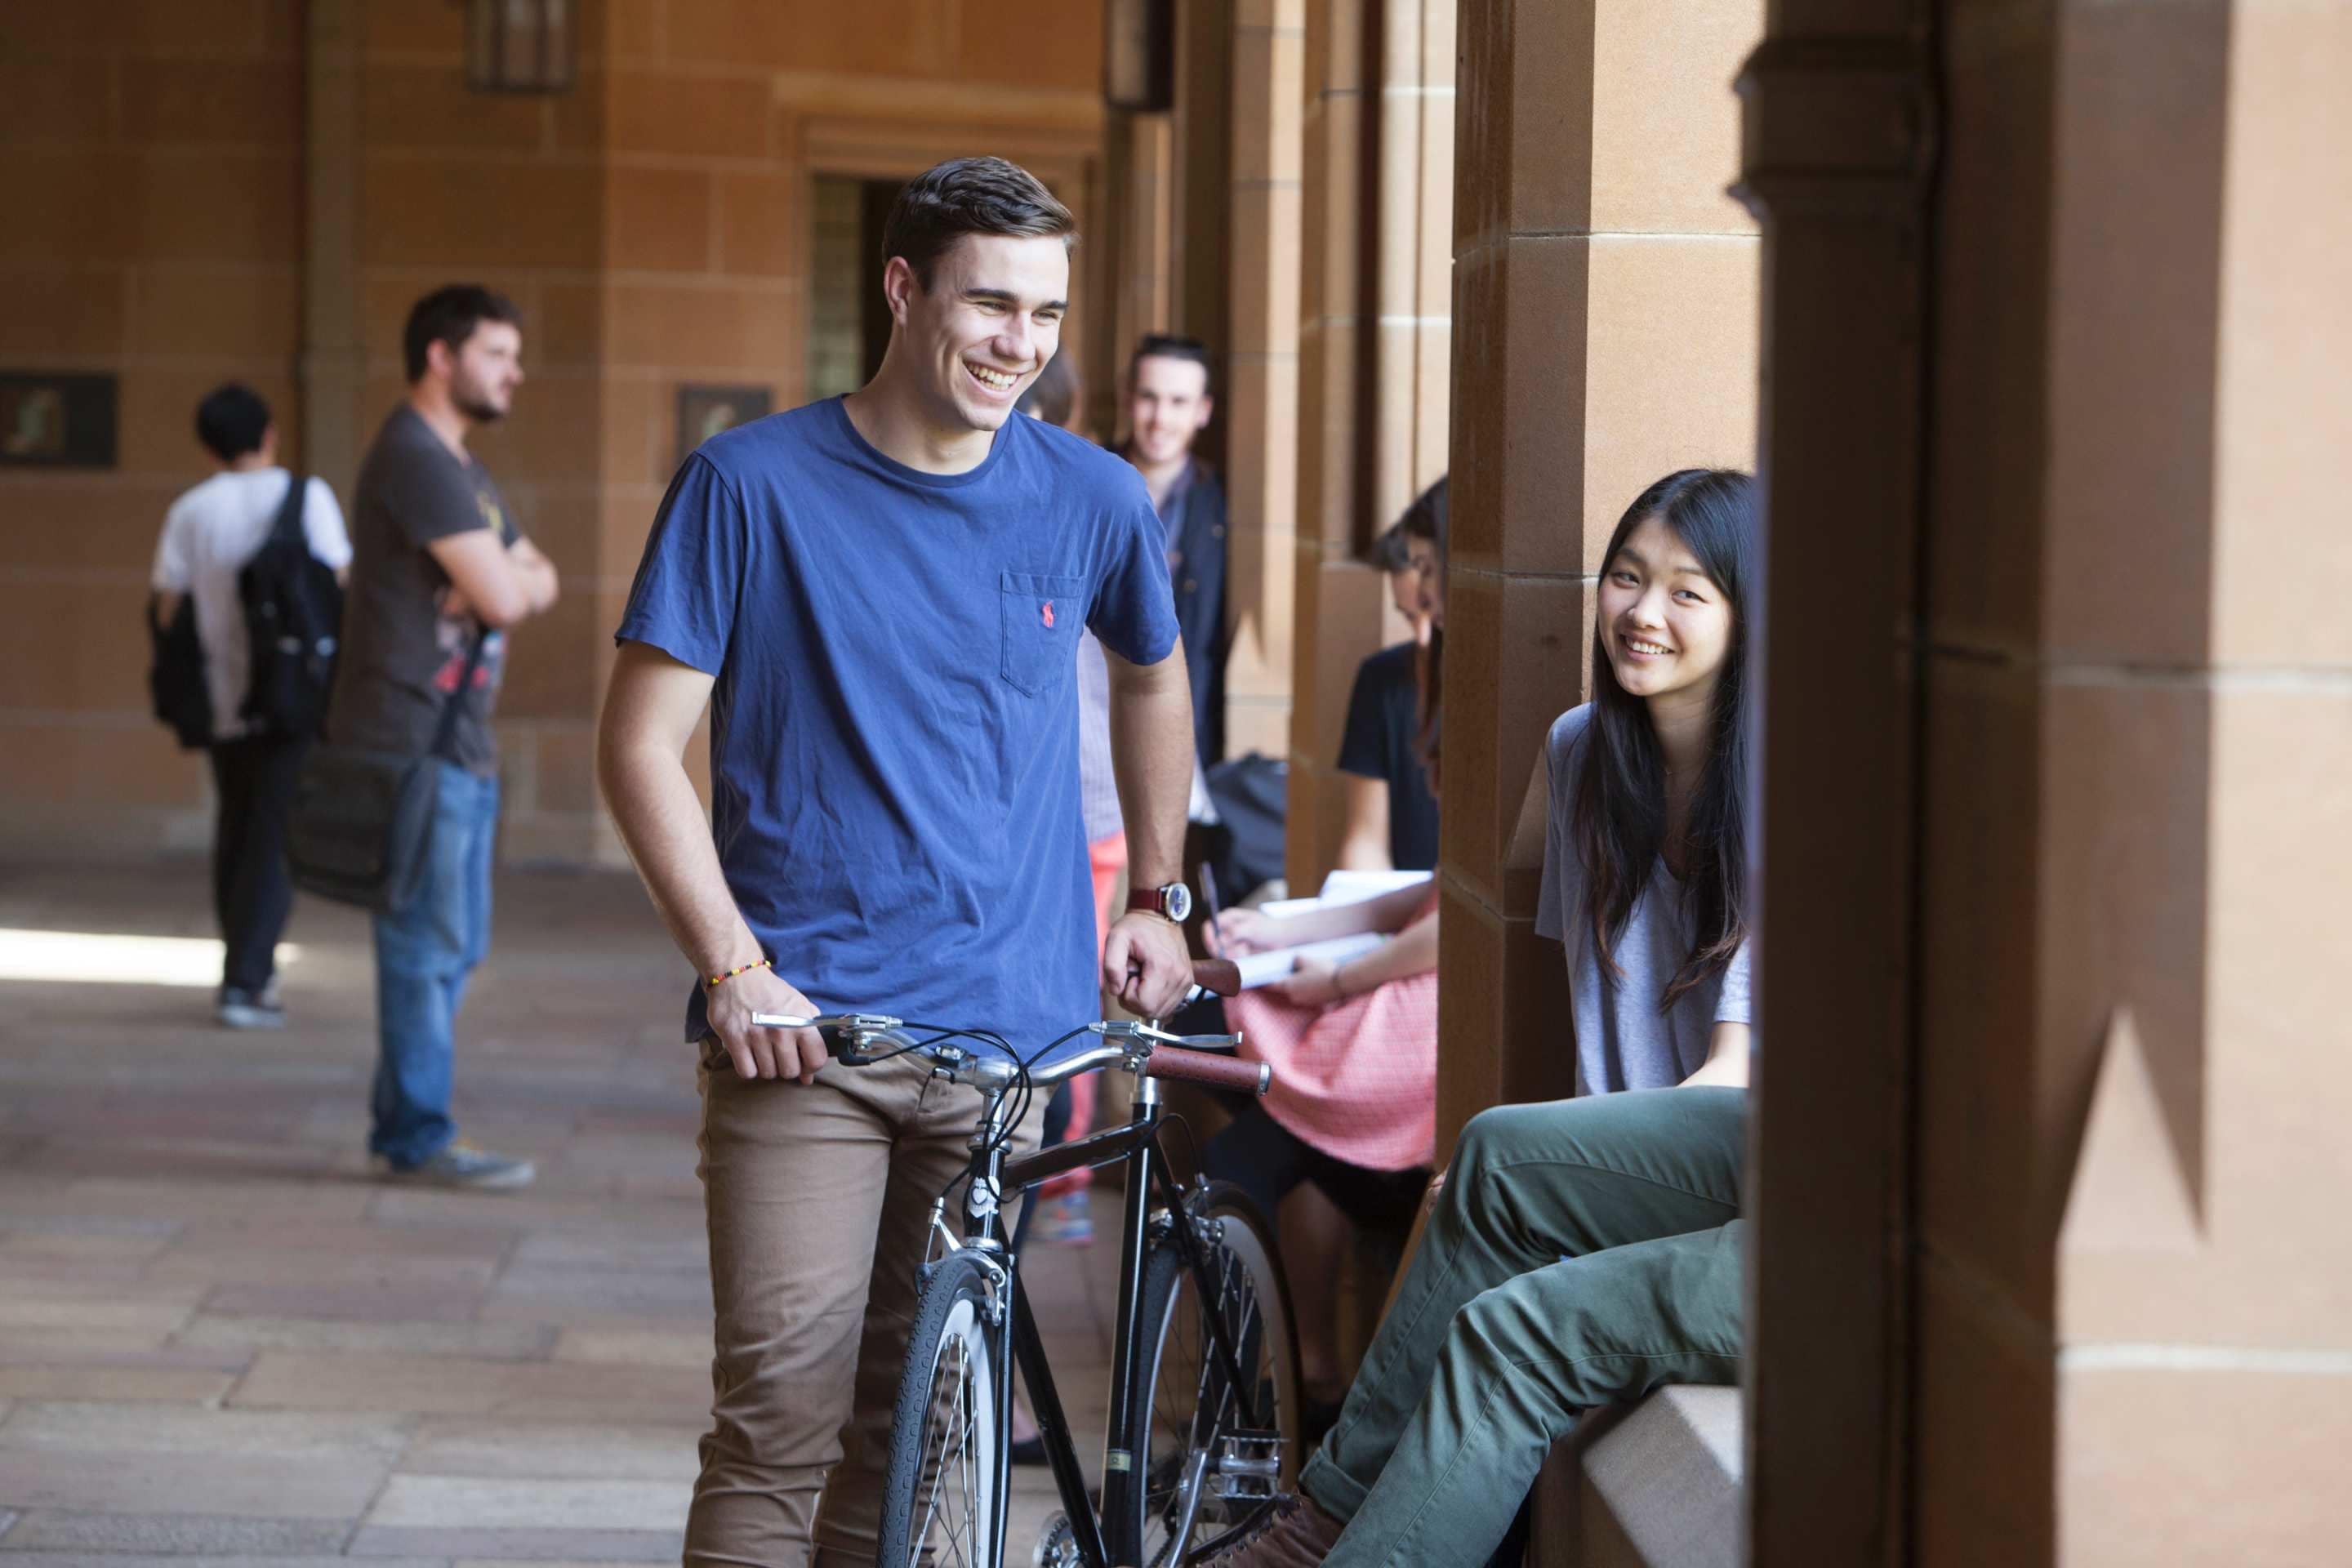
(1203, 1433)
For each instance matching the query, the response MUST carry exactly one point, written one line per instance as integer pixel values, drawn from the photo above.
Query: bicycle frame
(1137, 1146)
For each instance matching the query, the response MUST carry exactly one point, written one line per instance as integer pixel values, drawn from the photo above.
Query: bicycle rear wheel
(1211, 1456)
(942, 1495)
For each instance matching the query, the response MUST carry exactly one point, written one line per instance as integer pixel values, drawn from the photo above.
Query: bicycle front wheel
(946, 1483)
(1210, 1453)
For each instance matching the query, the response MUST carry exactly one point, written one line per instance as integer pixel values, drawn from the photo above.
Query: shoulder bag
(361, 828)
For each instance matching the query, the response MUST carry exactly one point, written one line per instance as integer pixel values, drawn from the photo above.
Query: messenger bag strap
(447, 733)
(288, 525)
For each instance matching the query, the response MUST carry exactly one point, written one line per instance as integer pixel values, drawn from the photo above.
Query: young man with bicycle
(877, 600)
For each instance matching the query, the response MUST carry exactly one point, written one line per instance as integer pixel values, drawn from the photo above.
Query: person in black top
(1391, 814)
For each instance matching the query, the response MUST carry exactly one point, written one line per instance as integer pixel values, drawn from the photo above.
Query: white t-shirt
(209, 534)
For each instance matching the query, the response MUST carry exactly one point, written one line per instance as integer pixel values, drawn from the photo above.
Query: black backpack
(293, 614)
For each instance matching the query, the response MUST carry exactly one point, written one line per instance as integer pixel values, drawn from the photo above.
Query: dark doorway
(849, 324)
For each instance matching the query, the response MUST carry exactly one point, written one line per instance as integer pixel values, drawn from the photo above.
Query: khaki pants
(817, 1198)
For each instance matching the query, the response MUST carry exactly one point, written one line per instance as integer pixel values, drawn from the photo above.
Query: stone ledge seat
(1655, 1485)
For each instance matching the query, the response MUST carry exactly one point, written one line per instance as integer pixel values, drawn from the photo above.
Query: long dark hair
(1620, 798)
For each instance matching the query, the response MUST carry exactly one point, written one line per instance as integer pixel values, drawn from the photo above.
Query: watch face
(1176, 902)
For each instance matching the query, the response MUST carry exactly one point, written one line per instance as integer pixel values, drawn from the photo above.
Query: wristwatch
(1174, 901)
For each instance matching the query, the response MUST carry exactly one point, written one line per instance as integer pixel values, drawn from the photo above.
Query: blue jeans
(423, 955)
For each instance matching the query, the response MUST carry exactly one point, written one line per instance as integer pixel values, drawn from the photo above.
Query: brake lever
(1132, 1029)
(846, 1035)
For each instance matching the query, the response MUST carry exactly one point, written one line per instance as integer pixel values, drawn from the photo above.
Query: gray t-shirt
(401, 656)
(1622, 1041)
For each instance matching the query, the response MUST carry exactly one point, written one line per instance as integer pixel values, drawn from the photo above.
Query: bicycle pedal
(1248, 1465)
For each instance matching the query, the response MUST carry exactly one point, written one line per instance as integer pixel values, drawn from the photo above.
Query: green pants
(1582, 1252)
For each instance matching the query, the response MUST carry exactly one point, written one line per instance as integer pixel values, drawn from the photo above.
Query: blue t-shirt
(894, 723)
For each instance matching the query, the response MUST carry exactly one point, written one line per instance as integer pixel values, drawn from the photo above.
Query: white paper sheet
(1266, 968)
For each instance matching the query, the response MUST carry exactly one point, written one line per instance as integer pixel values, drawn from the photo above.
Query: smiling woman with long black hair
(1645, 860)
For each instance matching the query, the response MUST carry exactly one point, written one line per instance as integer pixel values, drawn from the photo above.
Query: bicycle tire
(947, 1409)
(1175, 1382)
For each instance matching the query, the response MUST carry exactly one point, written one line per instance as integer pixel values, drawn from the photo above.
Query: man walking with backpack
(441, 572)
(212, 538)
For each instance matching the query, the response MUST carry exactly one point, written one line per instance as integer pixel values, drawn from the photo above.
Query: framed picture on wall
(49, 420)
(703, 411)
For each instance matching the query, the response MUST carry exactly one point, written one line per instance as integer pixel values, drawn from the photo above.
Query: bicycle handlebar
(858, 1040)
(1174, 1062)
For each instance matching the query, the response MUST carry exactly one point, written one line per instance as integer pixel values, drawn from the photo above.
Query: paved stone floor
(221, 1342)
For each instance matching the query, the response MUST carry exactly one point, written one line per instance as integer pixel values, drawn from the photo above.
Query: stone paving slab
(85, 1559)
(99, 1381)
(85, 1428)
(176, 1535)
(443, 1385)
(230, 1333)
(368, 1300)
(644, 1347)
(535, 1546)
(189, 1483)
(467, 1502)
(581, 1296)
(452, 1446)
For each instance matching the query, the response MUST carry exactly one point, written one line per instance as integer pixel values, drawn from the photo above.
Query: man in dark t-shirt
(876, 599)
(439, 571)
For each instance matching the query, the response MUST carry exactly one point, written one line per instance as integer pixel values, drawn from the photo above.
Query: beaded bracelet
(716, 980)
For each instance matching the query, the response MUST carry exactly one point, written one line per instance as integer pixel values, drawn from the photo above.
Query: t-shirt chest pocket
(1040, 616)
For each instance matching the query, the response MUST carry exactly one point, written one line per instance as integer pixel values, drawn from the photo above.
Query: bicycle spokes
(953, 1526)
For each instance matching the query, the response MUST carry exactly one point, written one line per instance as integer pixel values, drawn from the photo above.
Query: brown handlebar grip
(1218, 976)
(1203, 1067)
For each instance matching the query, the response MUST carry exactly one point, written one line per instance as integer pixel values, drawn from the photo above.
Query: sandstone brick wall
(148, 154)
(652, 222)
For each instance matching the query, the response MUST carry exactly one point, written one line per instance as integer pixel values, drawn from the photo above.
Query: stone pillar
(1136, 266)
(2051, 1264)
(1414, 272)
(2135, 1275)
(1605, 334)
(1258, 405)
(1377, 356)
(1838, 142)
(334, 356)
(1337, 617)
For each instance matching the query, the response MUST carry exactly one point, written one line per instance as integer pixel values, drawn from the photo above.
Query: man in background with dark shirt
(1168, 403)
(439, 572)
(1391, 819)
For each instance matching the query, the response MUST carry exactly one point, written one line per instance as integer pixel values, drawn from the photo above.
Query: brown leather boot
(1298, 1534)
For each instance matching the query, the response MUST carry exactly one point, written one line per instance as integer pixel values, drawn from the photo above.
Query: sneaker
(241, 1009)
(1065, 1220)
(1294, 1533)
(461, 1163)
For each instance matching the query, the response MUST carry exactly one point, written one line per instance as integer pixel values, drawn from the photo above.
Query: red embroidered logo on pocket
(1046, 612)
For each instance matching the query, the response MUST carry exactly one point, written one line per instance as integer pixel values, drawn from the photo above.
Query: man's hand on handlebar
(1146, 964)
(765, 1053)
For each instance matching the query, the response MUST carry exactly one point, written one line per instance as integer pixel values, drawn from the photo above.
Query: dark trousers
(251, 893)
(1266, 1160)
